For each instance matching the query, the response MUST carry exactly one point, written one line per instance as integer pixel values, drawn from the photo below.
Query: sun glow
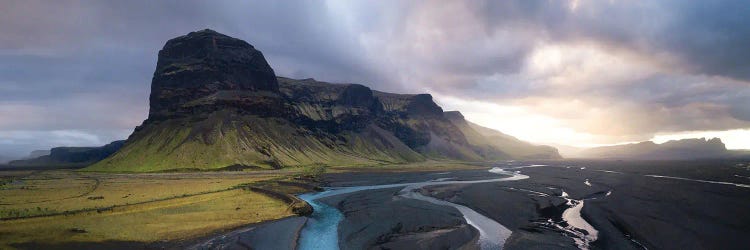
(541, 129)
(515, 121)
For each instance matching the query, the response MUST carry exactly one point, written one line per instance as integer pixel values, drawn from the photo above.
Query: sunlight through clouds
(515, 121)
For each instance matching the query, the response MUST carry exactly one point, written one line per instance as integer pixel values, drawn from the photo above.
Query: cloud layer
(570, 72)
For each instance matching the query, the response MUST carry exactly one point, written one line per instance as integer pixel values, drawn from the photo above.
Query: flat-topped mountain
(38, 153)
(206, 67)
(687, 149)
(215, 103)
(68, 157)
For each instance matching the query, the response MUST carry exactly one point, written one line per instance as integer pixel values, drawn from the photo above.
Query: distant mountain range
(5, 159)
(67, 157)
(685, 149)
(215, 103)
(37, 153)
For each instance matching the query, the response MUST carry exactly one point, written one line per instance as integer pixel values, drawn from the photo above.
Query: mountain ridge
(214, 104)
(63, 157)
(684, 149)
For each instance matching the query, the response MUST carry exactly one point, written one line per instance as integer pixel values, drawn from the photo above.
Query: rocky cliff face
(216, 102)
(205, 68)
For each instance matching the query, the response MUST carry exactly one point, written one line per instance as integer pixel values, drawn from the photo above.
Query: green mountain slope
(225, 139)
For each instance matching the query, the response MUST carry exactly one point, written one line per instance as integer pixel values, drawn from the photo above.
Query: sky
(581, 73)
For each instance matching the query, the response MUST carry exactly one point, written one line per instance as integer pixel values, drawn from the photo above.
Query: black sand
(641, 211)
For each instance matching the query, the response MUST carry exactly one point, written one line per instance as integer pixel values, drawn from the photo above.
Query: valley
(63, 208)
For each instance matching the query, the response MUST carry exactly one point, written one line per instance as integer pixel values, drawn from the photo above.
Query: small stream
(584, 232)
(321, 230)
(696, 180)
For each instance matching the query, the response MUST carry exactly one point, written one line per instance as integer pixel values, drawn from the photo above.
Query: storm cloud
(78, 72)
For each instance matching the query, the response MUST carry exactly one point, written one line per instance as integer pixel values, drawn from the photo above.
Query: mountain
(5, 159)
(493, 140)
(37, 153)
(68, 156)
(215, 103)
(699, 148)
(567, 151)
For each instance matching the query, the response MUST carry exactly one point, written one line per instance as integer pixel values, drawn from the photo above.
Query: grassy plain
(66, 206)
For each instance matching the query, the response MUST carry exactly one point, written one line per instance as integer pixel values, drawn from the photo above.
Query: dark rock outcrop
(422, 105)
(405, 105)
(203, 67)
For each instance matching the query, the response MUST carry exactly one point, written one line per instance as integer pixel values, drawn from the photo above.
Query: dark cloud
(709, 37)
(65, 65)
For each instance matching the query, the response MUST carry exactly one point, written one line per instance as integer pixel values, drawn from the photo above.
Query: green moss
(223, 140)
